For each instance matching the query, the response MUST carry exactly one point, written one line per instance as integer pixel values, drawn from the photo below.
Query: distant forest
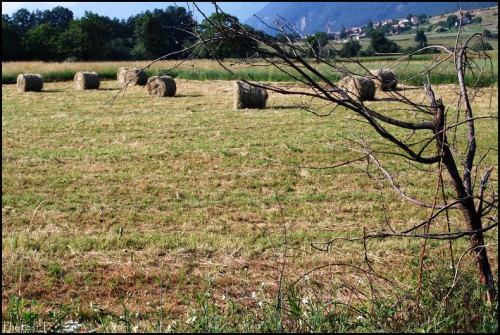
(55, 35)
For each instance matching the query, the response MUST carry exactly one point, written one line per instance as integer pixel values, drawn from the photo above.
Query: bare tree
(425, 136)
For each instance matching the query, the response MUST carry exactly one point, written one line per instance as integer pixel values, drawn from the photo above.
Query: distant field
(489, 16)
(408, 72)
(159, 210)
(448, 39)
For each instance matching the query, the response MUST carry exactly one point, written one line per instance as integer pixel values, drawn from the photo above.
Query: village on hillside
(391, 27)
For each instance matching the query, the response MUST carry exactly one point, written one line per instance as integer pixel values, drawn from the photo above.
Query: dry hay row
(358, 87)
(135, 77)
(161, 86)
(86, 81)
(29, 82)
(248, 96)
(120, 75)
(385, 79)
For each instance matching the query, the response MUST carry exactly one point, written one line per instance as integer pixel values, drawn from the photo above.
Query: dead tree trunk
(466, 201)
(293, 60)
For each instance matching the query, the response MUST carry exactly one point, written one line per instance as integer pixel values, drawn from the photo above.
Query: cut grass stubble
(113, 191)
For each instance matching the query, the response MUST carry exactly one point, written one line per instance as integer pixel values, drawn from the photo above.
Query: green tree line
(55, 35)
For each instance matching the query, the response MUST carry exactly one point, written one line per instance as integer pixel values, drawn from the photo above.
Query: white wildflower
(71, 326)
(305, 300)
(254, 295)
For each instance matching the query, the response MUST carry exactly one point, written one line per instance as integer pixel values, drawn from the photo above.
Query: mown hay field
(144, 204)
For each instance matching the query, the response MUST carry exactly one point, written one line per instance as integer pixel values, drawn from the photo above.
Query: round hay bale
(86, 81)
(358, 87)
(161, 86)
(29, 82)
(136, 77)
(248, 96)
(385, 79)
(120, 75)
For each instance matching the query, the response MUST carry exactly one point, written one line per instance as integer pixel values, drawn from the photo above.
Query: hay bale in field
(161, 86)
(358, 87)
(120, 75)
(29, 82)
(136, 77)
(248, 96)
(385, 79)
(86, 81)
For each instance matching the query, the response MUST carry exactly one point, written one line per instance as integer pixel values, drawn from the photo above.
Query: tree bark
(466, 204)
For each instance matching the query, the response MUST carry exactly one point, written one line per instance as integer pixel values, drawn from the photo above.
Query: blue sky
(10, 7)
(123, 10)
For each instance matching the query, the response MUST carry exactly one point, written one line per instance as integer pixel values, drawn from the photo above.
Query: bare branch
(408, 138)
(382, 234)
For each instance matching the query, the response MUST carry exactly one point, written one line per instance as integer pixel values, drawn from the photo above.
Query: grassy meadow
(409, 71)
(136, 214)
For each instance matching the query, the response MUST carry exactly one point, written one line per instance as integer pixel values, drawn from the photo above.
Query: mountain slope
(311, 17)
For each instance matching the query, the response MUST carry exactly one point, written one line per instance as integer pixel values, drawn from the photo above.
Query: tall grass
(411, 73)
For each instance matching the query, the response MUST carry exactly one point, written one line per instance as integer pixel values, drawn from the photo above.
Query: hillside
(311, 17)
